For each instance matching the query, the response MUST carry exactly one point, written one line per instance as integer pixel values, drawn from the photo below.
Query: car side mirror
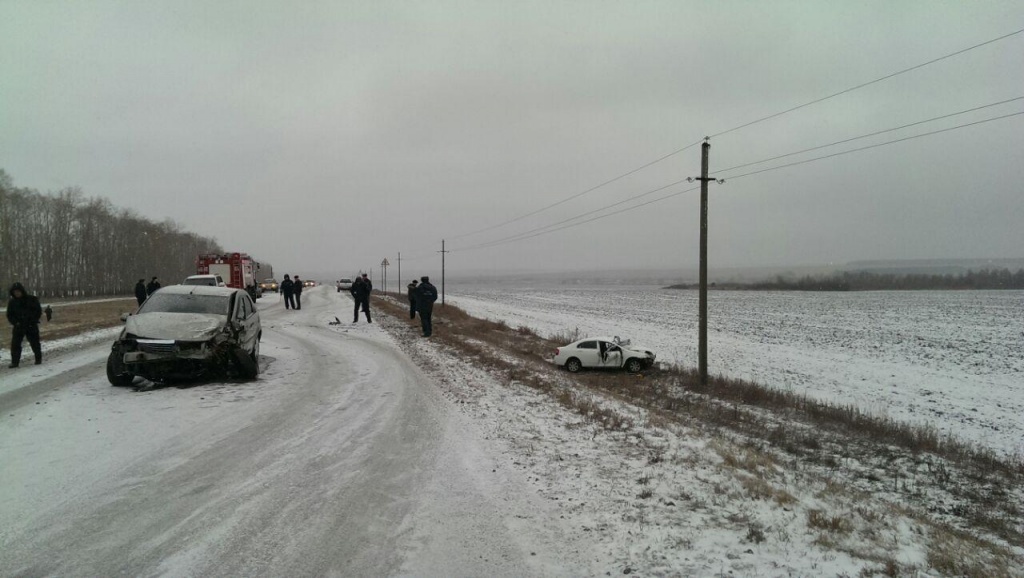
(125, 316)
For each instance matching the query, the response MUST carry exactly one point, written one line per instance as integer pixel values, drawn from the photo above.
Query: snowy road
(342, 459)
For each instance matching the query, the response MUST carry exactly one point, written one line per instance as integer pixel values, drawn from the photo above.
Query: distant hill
(933, 266)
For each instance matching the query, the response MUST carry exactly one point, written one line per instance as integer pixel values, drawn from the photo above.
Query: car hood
(177, 326)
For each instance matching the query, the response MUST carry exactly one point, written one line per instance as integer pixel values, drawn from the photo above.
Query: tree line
(996, 278)
(65, 244)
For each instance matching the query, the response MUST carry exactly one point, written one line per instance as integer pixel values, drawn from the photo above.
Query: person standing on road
(140, 291)
(411, 290)
(360, 291)
(288, 290)
(297, 289)
(23, 313)
(153, 286)
(426, 294)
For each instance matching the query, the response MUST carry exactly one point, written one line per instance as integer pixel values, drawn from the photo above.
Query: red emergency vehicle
(238, 270)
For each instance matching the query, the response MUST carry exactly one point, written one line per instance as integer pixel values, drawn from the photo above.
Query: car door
(247, 319)
(588, 354)
(612, 356)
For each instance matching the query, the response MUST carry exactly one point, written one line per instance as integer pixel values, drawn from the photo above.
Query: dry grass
(71, 320)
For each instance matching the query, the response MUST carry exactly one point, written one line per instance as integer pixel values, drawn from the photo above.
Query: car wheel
(634, 365)
(115, 370)
(573, 365)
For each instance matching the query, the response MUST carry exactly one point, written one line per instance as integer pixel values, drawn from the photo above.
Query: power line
(529, 235)
(580, 216)
(869, 83)
(541, 230)
(864, 148)
(626, 210)
(736, 128)
(869, 135)
(577, 195)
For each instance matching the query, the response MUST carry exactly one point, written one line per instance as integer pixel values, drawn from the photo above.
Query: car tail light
(557, 350)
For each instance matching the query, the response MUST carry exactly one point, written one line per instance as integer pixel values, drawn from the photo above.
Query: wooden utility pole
(703, 355)
(399, 272)
(442, 270)
(702, 335)
(384, 274)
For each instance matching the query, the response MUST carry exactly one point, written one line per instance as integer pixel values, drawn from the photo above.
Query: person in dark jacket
(426, 294)
(288, 290)
(411, 290)
(360, 291)
(23, 313)
(140, 291)
(297, 289)
(153, 286)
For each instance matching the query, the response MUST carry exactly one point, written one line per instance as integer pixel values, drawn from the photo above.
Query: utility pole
(384, 274)
(399, 272)
(702, 338)
(442, 251)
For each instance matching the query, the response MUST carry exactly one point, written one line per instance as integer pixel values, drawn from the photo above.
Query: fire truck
(238, 270)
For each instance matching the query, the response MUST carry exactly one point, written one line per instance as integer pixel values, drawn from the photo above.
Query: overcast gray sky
(324, 136)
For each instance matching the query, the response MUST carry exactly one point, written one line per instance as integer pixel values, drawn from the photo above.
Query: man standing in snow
(411, 290)
(288, 290)
(297, 289)
(426, 294)
(360, 290)
(153, 286)
(140, 291)
(23, 313)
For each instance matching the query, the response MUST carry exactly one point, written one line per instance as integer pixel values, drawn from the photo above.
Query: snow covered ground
(341, 459)
(954, 360)
(361, 451)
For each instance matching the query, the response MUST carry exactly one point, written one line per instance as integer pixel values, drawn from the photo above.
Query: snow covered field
(954, 360)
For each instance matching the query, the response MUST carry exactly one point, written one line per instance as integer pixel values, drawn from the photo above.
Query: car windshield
(269, 281)
(178, 303)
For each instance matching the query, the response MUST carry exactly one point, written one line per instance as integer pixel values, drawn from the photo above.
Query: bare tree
(65, 244)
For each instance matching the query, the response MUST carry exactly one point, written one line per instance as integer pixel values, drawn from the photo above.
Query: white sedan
(603, 352)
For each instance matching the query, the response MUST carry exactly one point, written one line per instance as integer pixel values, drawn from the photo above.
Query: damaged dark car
(188, 332)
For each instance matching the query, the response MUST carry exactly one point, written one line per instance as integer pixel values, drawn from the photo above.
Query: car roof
(203, 276)
(597, 338)
(200, 290)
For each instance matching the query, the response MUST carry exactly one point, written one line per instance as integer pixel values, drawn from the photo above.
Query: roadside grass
(71, 320)
(983, 486)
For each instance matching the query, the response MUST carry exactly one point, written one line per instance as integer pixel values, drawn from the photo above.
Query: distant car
(269, 285)
(603, 353)
(344, 284)
(187, 331)
(210, 280)
(309, 283)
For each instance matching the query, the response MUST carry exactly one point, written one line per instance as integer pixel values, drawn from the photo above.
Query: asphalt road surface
(341, 459)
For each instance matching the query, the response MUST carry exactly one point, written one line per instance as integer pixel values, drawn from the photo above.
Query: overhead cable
(527, 235)
(580, 216)
(577, 195)
(864, 148)
(869, 83)
(863, 136)
(619, 212)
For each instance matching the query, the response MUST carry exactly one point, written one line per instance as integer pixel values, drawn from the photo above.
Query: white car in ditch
(188, 331)
(603, 353)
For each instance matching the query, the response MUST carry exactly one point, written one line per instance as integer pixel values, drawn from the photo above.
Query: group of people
(143, 290)
(291, 289)
(422, 296)
(24, 314)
